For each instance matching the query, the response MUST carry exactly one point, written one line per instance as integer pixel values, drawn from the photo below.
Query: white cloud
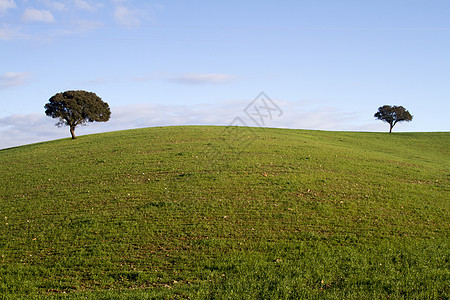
(56, 5)
(36, 15)
(98, 80)
(126, 17)
(66, 5)
(146, 115)
(24, 129)
(7, 33)
(84, 5)
(188, 78)
(59, 6)
(19, 130)
(87, 25)
(199, 78)
(11, 79)
(80, 26)
(323, 118)
(5, 5)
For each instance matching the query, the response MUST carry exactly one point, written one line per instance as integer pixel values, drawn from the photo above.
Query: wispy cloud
(124, 16)
(145, 115)
(80, 26)
(66, 5)
(11, 79)
(84, 5)
(188, 78)
(98, 80)
(315, 114)
(8, 33)
(202, 78)
(37, 15)
(87, 25)
(58, 6)
(134, 13)
(19, 130)
(5, 5)
(24, 129)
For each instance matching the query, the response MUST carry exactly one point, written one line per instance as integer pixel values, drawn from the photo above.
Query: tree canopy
(73, 108)
(392, 115)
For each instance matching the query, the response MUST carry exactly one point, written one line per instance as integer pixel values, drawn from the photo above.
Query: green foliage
(73, 108)
(392, 115)
(208, 213)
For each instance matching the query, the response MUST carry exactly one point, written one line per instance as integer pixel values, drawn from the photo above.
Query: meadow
(205, 212)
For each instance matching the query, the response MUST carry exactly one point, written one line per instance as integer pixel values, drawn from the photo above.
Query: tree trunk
(390, 128)
(72, 132)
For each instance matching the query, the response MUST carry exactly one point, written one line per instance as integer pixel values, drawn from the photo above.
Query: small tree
(393, 115)
(73, 108)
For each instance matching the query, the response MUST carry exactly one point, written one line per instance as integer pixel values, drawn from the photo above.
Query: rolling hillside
(227, 213)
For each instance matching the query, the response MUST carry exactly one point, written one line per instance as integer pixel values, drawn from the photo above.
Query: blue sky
(327, 65)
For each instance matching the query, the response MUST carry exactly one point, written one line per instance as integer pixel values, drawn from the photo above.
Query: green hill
(237, 213)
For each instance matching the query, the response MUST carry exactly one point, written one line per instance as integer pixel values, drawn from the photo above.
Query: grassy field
(227, 213)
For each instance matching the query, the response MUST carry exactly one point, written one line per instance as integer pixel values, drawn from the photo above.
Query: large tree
(73, 108)
(392, 115)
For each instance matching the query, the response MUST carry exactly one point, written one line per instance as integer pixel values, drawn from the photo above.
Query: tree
(74, 108)
(393, 115)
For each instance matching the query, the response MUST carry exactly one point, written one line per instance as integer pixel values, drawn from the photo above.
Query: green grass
(227, 213)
